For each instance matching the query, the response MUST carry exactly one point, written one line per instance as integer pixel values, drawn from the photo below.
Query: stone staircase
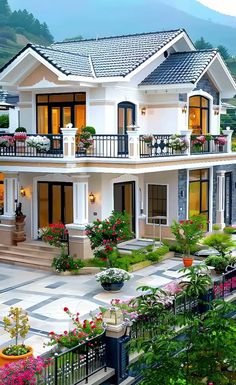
(34, 254)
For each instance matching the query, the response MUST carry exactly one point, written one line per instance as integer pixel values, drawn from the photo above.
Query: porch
(129, 146)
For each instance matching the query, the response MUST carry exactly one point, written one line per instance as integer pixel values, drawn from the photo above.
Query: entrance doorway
(228, 198)
(55, 203)
(124, 200)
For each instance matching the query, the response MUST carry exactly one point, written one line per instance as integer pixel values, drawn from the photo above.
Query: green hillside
(17, 28)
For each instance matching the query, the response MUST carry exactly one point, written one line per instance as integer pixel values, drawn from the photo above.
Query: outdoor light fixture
(22, 191)
(92, 198)
(143, 111)
(184, 109)
(216, 111)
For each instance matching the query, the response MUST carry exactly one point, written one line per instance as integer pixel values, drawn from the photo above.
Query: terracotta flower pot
(4, 359)
(187, 261)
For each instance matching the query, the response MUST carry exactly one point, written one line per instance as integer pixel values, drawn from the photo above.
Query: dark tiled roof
(66, 62)
(119, 55)
(181, 67)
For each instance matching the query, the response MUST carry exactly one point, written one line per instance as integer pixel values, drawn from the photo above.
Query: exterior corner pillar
(80, 202)
(133, 144)
(220, 199)
(10, 195)
(228, 133)
(69, 142)
(187, 134)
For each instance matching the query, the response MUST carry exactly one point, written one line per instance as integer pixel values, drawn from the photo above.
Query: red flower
(66, 309)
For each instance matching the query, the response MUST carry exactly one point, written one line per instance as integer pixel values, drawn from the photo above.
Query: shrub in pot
(112, 279)
(17, 325)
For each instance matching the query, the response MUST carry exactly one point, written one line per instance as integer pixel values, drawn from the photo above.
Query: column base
(7, 228)
(79, 244)
(220, 217)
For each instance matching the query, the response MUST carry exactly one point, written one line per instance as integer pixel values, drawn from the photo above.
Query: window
(157, 204)
(199, 115)
(199, 192)
(55, 111)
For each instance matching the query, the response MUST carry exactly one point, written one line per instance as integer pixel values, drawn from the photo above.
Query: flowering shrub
(189, 232)
(105, 235)
(83, 331)
(86, 139)
(23, 372)
(129, 309)
(54, 234)
(178, 144)
(147, 138)
(66, 263)
(17, 325)
(220, 140)
(6, 141)
(198, 141)
(113, 275)
(41, 143)
(20, 135)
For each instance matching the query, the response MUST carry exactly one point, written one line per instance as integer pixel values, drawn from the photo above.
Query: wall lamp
(92, 198)
(216, 111)
(143, 111)
(184, 109)
(22, 191)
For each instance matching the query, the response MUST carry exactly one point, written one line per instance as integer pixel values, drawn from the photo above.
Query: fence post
(228, 133)
(55, 369)
(116, 351)
(69, 142)
(187, 134)
(133, 144)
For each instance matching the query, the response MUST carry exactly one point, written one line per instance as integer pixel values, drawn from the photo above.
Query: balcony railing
(208, 144)
(20, 148)
(103, 146)
(158, 145)
(70, 146)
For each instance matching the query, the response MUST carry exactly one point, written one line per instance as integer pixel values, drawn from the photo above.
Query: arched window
(126, 116)
(199, 115)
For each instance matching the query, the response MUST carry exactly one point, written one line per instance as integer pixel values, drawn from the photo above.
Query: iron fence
(102, 146)
(158, 145)
(206, 144)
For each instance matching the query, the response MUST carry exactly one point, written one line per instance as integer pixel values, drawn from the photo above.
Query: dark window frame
(201, 180)
(201, 107)
(157, 221)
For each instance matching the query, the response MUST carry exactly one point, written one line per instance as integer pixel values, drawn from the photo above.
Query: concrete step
(24, 264)
(38, 245)
(30, 252)
(22, 258)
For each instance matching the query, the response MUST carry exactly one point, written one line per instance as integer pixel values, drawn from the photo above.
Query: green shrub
(20, 129)
(89, 129)
(229, 230)
(155, 256)
(216, 227)
(66, 263)
(218, 262)
(4, 121)
(223, 243)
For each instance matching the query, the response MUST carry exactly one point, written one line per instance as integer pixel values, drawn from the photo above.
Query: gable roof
(102, 57)
(181, 67)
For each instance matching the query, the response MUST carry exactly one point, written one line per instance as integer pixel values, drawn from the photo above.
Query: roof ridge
(58, 50)
(179, 30)
(196, 51)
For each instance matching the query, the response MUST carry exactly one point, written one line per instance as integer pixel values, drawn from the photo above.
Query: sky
(227, 7)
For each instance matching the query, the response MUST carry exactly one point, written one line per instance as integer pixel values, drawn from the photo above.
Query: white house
(136, 91)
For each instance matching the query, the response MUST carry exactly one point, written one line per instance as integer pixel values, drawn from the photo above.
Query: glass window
(199, 115)
(126, 116)
(157, 204)
(66, 116)
(42, 119)
(61, 98)
(199, 192)
(80, 117)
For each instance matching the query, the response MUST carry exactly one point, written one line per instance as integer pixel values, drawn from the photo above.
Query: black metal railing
(206, 144)
(103, 146)
(158, 145)
(77, 364)
(226, 285)
(20, 148)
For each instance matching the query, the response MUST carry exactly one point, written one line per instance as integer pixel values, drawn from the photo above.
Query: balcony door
(199, 115)
(55, 203)
(124, 200)
(126, 118)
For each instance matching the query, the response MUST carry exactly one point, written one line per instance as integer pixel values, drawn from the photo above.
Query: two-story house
(137, 91)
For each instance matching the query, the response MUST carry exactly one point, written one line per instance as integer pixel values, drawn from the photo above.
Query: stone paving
(44, 295)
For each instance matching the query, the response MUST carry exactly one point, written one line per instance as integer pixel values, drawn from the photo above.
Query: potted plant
(40, 143)
(24, 372)
(187, 233)
(112, 279)
(198, 142)
(148, 138)
(220, 141)
(86, 140)
(178, 144)
(17, 325)
(6, 141)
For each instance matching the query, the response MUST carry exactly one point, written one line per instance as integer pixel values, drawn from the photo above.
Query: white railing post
(228, 133)
(133, 144)
(69, 141)
(187, 134)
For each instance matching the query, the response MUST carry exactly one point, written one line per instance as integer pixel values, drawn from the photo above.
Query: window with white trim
(157, 203)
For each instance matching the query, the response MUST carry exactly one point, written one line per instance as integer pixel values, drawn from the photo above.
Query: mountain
(17, 29)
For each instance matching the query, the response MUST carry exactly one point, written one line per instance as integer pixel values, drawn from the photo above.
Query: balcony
(68, 146)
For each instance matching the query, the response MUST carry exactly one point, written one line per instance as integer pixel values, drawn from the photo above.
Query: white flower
(113, 275)
(41, 143)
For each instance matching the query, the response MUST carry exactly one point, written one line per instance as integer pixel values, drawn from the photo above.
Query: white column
(133, 144)
(187, 134)
(220, 200)
(69, 142)
(80, 202)
(228, 134)
(10, 195)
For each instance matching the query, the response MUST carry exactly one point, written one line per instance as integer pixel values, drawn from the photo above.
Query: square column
(220, 199)
(7, 224)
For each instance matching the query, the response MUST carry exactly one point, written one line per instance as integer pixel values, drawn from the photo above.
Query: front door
(124, 200)
(55, 203)
(228, 198)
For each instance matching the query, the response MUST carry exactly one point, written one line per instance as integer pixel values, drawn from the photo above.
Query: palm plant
(196, 280)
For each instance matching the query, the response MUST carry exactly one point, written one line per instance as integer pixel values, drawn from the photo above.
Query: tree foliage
(203, 44)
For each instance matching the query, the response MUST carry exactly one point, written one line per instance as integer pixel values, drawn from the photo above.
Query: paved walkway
(44, 295)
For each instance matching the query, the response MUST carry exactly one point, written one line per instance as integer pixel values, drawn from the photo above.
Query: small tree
(105, 235)
(203, 44)
(187, 233)
(223, 51)
(16, 323)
